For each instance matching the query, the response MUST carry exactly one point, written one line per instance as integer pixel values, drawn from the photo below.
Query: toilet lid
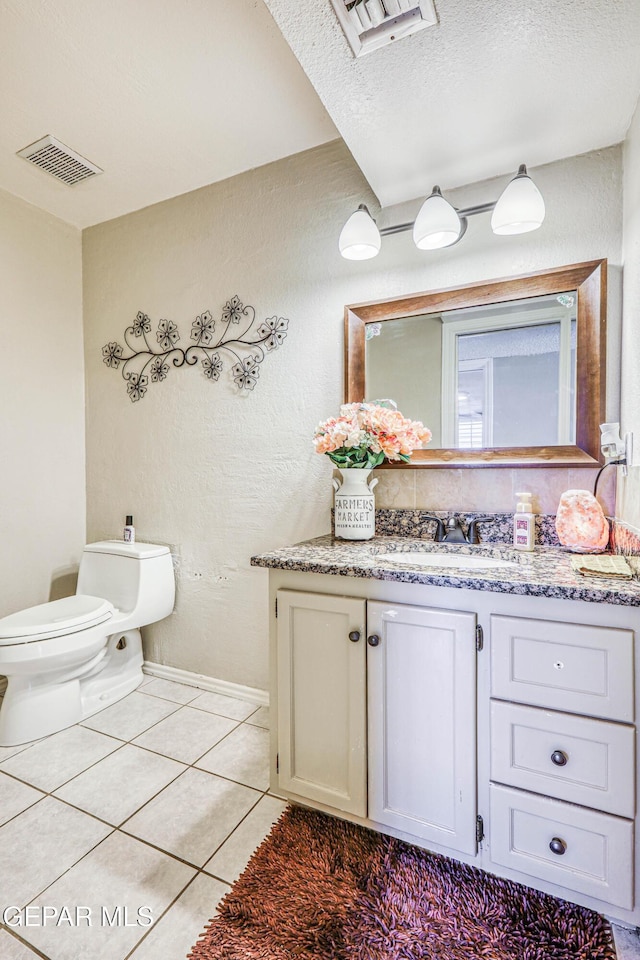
(137, 551)
(54, 619)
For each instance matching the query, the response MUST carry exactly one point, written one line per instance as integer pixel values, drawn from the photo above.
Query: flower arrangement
(365, 434)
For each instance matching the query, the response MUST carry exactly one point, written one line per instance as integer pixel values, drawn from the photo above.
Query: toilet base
(35, 707)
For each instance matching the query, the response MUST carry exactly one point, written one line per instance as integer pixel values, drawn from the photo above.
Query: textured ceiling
(496, 83)
(165, 97)
(169, 97)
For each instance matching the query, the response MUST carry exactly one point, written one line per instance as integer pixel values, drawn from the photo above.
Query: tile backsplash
(488, 490)
(498, 528)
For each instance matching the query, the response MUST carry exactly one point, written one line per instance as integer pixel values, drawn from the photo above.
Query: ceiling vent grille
(60, 161)
(371, 24)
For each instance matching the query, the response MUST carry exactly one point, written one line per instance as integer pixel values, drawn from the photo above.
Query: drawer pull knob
(560, 758)
(354, 636)
(558, 846)
(373, 640)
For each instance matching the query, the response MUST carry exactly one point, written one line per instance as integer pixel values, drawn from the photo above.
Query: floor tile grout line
(195, 866)
(158, 696)
(75, 864)
(39, 800)
(186, 766)
(122, 742)
(52, 796)
(117, 749)
(198, 873)
(25, 943)
(238, 723)
(150, 677)
(178, 706)
(229, 835)
(189, 703)
(163, 914)
(177, 777)
(190, 763)
(51, 793)
(198, 870)
(202, 710)
(224, 777)
(138, 809)
(118, 829)
(238, 783)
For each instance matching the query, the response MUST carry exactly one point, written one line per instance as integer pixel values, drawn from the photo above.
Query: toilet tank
(137, 578)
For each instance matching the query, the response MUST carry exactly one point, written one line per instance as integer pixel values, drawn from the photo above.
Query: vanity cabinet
(496, 729)
(421, 683)
(384, 728)
(322, 699)
(586, 672)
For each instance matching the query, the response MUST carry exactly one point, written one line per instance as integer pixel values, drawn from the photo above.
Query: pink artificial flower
(377, 429)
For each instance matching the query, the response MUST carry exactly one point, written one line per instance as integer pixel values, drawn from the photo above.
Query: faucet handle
(473, 528)
(439, 537)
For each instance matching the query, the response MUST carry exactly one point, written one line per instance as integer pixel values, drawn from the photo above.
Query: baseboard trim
(211, 684)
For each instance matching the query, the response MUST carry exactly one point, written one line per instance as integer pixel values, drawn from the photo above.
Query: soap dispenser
(524, 529)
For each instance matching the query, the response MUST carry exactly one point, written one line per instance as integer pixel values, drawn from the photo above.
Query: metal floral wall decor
(235, 337)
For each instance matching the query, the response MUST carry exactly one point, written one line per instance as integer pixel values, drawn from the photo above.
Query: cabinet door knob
(354, 636)
(560, 758)
(558, 846)
(373, 640)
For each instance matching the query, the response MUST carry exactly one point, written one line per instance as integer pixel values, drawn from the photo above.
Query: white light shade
(520, 207)
(437, 224)
(360, 238)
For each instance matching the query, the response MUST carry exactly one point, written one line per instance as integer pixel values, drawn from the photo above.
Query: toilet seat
(54, 619)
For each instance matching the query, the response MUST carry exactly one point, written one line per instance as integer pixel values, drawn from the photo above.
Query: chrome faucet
(454, 532)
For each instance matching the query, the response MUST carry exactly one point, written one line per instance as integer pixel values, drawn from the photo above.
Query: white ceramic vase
(355, 505)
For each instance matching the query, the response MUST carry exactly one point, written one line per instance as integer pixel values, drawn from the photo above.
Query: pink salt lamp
(580, 522)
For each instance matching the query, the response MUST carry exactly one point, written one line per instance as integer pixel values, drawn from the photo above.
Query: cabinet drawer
(598, 848)
(572, 667)
(591, 762)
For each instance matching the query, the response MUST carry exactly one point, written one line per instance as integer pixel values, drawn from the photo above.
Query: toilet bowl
(68, 659)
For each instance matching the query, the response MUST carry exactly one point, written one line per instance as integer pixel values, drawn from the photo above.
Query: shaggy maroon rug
(322, 889)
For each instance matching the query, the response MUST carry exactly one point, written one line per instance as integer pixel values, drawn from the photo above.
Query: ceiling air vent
(60, 161)
(370, 24)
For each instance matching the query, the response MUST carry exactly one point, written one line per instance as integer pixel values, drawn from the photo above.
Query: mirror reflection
(502, 375)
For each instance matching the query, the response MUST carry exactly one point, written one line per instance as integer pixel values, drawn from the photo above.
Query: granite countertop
(546, 572)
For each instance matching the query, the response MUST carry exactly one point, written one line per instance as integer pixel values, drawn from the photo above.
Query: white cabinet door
(322, 699)
(422, 722)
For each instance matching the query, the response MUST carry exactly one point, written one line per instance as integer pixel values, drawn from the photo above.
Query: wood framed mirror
(505, 373)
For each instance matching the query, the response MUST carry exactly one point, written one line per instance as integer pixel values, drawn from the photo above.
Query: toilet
(68, 659)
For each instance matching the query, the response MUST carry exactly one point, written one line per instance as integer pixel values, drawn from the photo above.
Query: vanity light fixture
(360, 237)
(519, 209)
(438, 223)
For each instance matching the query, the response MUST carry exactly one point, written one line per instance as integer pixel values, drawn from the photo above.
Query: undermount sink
(457, 561)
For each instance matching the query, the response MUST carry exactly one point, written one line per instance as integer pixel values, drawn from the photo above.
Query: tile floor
(157, 802)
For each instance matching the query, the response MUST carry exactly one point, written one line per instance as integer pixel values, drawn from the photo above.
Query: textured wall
(629, 488)
(42, 483)
(221, 476)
